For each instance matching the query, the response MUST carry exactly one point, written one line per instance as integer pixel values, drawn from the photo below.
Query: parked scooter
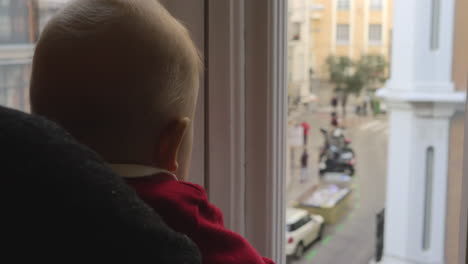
(336, 155)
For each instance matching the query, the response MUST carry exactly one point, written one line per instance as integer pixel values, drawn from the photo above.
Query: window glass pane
(342, 34)
(375, 34)
(343, 4)
(14, 82)
(376, 4)
(20, 25)
(296, 31)
(368, 136)
(5, 27)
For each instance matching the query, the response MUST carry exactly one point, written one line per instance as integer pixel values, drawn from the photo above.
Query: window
(296, 31)
(376, 4)
(5, 27)
(426, 239)
(4, 3)
(375, 34)
(13, 85)
(20, 22)
(343, 5)
(342, 34)
(301, 222)
(435, 24)
(14, 22)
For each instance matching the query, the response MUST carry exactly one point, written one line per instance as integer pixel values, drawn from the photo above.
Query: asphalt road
(352, 240)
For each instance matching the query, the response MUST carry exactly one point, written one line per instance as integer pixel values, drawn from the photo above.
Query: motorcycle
(336, 155)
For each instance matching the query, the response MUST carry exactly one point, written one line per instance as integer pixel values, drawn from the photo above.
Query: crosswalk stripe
(370, 124)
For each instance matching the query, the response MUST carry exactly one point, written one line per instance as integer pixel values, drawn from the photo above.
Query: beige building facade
(454, 254)
(349, 28)
(299, 53)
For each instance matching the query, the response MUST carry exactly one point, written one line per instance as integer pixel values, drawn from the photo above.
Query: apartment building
(349, 28)
(299, 52)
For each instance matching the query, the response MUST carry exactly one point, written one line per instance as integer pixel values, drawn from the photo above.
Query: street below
(352, 239)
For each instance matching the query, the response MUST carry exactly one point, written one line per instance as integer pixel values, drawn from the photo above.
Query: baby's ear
(170, 143)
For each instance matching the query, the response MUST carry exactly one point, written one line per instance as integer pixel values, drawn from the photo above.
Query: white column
(421, 102)
(417, 182)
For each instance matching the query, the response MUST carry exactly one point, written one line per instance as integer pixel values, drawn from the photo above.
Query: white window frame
(247, 42)
(225, 118)
(246, 127)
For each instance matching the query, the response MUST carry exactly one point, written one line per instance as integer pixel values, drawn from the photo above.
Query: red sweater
(185, 208)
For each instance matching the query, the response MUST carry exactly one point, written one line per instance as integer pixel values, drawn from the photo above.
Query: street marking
(312, 254)
(369, 125)
(326, 240)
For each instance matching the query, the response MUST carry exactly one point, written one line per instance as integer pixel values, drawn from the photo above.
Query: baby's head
(122, 77)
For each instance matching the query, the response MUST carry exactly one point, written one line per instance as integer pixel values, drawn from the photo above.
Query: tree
(351, 77)
(373, 69)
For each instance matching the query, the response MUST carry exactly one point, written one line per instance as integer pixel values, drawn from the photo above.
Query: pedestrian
(334, 120)
(357, 109)
(304, 169)
(306, 129)
(334, 102)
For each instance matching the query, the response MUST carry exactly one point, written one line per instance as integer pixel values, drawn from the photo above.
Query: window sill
(342, 43)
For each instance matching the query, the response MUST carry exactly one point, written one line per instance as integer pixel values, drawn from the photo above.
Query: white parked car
(302, 229)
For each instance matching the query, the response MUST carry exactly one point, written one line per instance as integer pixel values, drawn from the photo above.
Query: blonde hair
(114, 71)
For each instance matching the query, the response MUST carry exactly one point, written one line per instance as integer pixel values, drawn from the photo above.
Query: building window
(14, 22)
(296, 31)
(426, 239)
(14, 83)
(5, 27)
(375, 34)
(342, 34)
(435, 24)
(343, 4)
(376, 4)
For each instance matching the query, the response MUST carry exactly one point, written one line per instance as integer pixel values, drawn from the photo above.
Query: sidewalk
(295, 188)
